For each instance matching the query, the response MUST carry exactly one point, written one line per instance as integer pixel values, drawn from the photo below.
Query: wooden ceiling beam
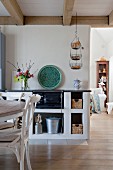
(14, 10)
(7, 21)
(111, 18)
(43, 20)
(93, 21)
(67, 12)
(96, 21)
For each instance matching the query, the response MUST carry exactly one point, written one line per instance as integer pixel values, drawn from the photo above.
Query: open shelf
(76, 123)
(49, 115)
(76, 100)
(103, 77)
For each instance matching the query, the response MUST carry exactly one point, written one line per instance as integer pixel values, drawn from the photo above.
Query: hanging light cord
(75, 38)
(76, 24)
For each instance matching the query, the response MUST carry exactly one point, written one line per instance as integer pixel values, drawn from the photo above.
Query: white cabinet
(74, 116)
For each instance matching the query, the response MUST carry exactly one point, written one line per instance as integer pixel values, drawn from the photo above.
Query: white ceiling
(55, 7)
(93, 7)
(41, 7)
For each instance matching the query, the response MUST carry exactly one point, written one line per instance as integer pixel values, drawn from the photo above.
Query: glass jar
(38, 128)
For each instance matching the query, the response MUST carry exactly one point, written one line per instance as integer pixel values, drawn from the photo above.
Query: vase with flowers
(24, 74)
(24, 79)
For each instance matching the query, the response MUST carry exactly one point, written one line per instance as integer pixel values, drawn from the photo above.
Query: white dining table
(10, 109)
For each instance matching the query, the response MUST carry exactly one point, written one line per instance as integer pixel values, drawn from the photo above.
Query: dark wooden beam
(43, 20)
(92, 21)
(7, 21)
(96, 21)
(111, 18)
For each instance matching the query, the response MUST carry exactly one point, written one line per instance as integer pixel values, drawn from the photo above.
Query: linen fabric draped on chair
(18, 139)
(12, 124)
(98, 100)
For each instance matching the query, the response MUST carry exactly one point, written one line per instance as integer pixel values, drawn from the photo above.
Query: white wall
(110, 54)
(98, 49)
(46, 45)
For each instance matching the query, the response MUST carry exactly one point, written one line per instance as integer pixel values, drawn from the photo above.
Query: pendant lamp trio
(76, 51)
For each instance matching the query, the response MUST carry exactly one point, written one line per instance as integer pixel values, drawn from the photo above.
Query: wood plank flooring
(97, 155)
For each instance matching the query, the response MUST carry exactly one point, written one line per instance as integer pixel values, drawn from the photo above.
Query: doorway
(101, 45)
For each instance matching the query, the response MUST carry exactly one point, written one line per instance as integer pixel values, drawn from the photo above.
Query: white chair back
(30, 105)
(19, 138)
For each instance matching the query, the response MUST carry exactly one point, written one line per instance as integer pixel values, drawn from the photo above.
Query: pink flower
(20, 73)
(31, 75)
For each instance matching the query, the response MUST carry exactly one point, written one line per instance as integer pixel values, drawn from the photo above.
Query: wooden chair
(18, 139)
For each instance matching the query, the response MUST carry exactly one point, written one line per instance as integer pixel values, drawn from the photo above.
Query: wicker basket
(75, 65)
(77, 129)
(75, 56)
(76, 104)
(75, 45)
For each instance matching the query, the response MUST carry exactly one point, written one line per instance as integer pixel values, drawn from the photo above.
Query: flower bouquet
(23, 74)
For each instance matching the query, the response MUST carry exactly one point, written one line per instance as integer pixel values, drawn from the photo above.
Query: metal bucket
(52, 125)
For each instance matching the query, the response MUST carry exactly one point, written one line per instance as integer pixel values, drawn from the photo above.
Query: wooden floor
(97, 155)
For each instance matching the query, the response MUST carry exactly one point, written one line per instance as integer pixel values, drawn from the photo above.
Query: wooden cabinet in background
(103, 77)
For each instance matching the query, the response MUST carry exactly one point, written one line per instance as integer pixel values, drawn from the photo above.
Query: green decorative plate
(49, 77)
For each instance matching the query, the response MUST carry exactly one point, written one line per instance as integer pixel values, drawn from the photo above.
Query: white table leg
(109, 107)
